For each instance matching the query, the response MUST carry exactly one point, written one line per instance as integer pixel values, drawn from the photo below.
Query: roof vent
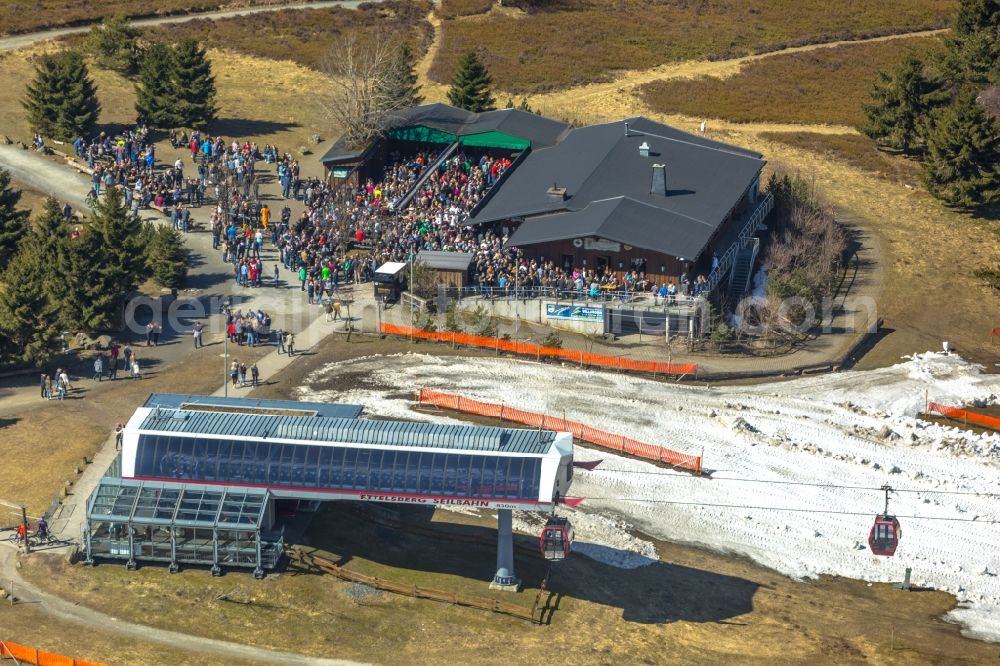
(659, 184)
(644, 149)
(556, 193)
(626, 129)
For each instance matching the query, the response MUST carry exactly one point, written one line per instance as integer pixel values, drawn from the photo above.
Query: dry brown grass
(574, 42)
(305, 36)
(821, 86)
(854, 150)
(449, 9)
(708, 608)
(28, 15)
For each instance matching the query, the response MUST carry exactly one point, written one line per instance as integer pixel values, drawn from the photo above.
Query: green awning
(495, 140)
(422, 134)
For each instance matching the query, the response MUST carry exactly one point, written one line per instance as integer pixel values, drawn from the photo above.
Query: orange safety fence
(965, 415)
(540, 352)
(580, 431)
(29, 655)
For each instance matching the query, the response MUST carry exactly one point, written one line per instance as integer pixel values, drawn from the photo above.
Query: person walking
(64, 380)
(48, 387)
(279, 341)
(127, 354)
(99, 368)
(135, 367)
(336, 310)
(61, 388)
(157, 329)
(119, 436)
(234, 372)
(44, 382)
(113, 371)
(254, 375)
(290, 343)
(243, 374)
(149, 335)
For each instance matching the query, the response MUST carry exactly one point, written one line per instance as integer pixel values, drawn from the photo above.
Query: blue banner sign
(574, 312)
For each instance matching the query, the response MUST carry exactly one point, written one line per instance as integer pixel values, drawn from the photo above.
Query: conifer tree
(27, 315)
(13, 222)
(401, 89)
(155, 94)
(167, 258)
(115, 43)
(120, 233)
(973, 52)
(962, 165)
(470, 86)
(193, 85)
(900, 102)
(61, 101)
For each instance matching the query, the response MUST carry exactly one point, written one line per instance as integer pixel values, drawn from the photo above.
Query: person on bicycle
(43, 529)
(22, 533)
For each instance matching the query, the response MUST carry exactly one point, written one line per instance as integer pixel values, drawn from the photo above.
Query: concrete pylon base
(514, 586)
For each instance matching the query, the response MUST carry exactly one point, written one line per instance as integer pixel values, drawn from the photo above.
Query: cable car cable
(791, 509)
(794, 483)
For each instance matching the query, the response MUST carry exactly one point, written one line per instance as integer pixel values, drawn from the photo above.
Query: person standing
(157, 329)
(119, 436)
(99, 368)
(234, 372)
(275, 274)
(336, 310)
(243, 374)
(127, 355)
(196, 334)
(113, 368)
(279, 341)
(303, 274)
(290, 343)
(44, 382)
(64, 380)
(254, 375)
(149, 335)
(135, 367)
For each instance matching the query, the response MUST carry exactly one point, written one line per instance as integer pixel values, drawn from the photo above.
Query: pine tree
(976, 15)
(401, 89)
(900, 102)
(962, 165)
(27, 314)
(155, 95)
(13, 222)
(193, 84)
(973, 52)
(41, 96)
(120, 233)
(61, 101)
(115, 43)
(167, 258)
(470, 86)
(79, 107)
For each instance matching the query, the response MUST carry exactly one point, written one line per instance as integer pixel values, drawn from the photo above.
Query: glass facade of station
(177, 524)
(328, 467)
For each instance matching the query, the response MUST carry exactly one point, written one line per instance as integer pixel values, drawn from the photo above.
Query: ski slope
(849, 429)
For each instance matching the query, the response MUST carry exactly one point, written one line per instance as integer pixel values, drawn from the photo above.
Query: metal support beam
(505, 579)
(216, 569)
(89, 558)
(130, 565)
(173, 567)
(258, 572)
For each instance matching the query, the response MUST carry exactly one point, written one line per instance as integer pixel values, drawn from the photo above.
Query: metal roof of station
(350, 431)
(181, 504)
(321, 409)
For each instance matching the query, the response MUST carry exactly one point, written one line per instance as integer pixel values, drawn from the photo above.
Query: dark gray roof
(351, 431)
(705, 178)
(437, 116)
(340, 152)
(448, 261)
(322, 409)
(620, 219)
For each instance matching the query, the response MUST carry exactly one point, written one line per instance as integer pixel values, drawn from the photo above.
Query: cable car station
(199, 476)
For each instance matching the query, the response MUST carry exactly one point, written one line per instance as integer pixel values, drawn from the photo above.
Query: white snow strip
(851, 428)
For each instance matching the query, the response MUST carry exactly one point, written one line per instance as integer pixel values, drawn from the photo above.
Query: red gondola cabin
(556, 541)
(885, 534)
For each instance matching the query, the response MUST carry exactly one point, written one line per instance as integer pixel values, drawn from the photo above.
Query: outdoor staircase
(742, 273)
(431, 168)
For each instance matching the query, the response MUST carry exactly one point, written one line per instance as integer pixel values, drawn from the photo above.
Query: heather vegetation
(823, 86)
(305, 35)
(562, 43)
(27, 15)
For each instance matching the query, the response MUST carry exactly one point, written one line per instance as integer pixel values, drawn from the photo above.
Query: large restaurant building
(631, 195)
